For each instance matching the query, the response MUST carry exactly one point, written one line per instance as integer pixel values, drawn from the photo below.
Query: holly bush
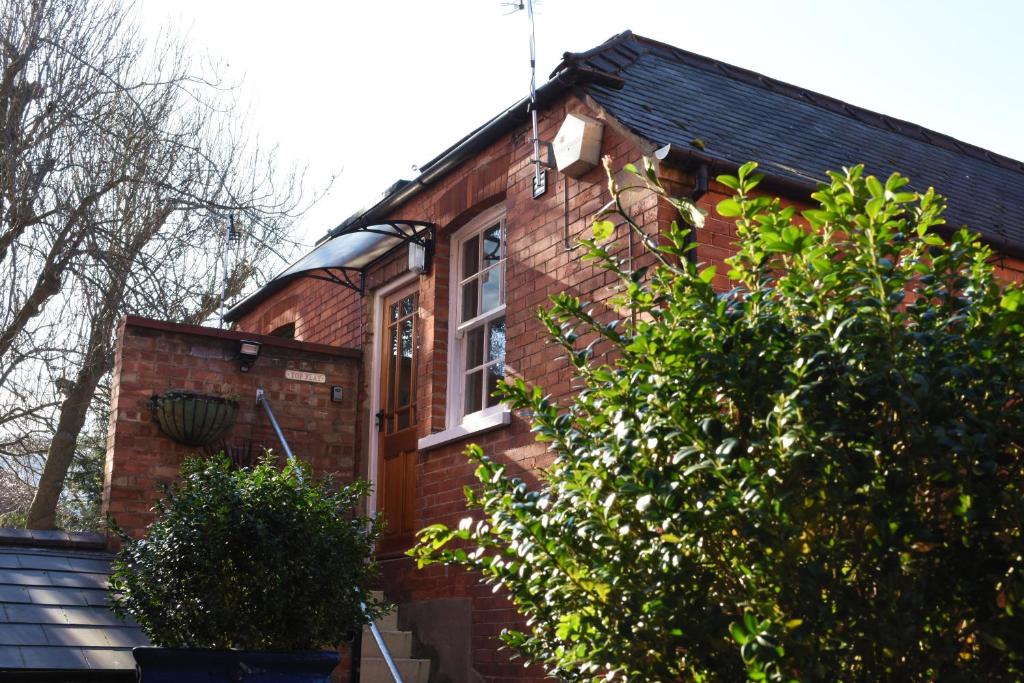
(815, 475)
(259, 558)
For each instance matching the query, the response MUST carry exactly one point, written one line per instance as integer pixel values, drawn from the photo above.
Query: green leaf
(1012, 299)
(729, 208)
(603, 230)
(732, 182)
(875, 187)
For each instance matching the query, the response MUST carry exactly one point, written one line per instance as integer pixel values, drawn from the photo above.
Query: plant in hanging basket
(193, 419)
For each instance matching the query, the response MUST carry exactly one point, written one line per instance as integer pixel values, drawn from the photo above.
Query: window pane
(470, 300)
(496, 343)
(402, 419)
(475, 347)
(407, 305)
(492, 289)
(405, 364)
(470, 256)
(474, 391)
(492, 245)
(496, 353)
(394, 311)
(495, 373)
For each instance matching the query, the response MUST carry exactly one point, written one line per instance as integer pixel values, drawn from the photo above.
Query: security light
(248, 352)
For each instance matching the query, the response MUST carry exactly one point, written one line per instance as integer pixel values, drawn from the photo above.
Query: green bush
(814, 476)
(256, 558)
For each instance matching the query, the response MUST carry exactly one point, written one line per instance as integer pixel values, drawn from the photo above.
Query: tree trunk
(43, 512)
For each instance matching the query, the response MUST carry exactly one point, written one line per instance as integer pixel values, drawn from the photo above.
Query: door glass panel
(389, 400)
(470, 256)
(394, 311)
(474, 391)
(405, 363)
(491, 281)
(407, 305)
(402, 419)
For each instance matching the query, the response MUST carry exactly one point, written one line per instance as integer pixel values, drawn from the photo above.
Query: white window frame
(458, 425)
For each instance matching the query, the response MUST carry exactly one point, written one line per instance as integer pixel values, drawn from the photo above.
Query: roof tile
(54, 611)
(20, 634)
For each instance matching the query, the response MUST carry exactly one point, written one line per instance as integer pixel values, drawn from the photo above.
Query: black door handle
(380, 420)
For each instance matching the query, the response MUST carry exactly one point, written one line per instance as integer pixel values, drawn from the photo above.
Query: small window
(478, 352)
(286, 331)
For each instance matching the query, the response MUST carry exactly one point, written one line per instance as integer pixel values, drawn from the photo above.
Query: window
(476, 330)
(286, 331)
(478, 351)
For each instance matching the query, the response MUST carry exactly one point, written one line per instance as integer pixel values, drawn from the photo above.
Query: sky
(362, 92)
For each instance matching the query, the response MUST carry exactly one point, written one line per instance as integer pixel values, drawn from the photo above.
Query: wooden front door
(396, 420)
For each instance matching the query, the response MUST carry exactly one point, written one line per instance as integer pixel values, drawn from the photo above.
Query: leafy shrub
(255, 558)
(816, 475)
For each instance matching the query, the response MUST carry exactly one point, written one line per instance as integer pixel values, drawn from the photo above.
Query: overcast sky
(366, 90)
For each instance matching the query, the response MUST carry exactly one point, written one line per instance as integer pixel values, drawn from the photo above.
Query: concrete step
(389, 622)
(375, 670)
(399, 643)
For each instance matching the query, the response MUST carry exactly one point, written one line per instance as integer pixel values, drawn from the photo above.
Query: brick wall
(153, 357)
(542, 260)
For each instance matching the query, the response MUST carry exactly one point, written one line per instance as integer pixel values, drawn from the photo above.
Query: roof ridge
(860, 114)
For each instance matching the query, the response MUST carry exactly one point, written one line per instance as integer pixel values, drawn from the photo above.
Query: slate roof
(671, 96)
(53, 604)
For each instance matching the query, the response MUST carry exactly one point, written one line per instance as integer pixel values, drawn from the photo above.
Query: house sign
(300, 376)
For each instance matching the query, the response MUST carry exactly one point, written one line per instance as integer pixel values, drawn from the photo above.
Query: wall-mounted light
(248, 352)
(417, 258)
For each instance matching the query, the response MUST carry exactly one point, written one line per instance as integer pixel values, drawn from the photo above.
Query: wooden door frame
(373, 439)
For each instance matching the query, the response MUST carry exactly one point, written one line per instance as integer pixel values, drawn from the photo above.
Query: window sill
(474, 424)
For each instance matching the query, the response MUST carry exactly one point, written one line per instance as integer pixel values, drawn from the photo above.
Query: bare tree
(119, 166)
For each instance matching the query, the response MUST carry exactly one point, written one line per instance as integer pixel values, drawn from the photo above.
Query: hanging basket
(193, 419)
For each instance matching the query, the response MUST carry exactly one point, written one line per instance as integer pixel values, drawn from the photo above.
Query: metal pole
(384, 651)
(261, 399)
(539, 181)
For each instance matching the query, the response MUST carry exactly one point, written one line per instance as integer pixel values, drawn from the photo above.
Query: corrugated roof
(671, 96)
(54, 608)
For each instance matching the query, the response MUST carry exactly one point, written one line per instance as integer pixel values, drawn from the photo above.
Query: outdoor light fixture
(417, 258)
(248, 352)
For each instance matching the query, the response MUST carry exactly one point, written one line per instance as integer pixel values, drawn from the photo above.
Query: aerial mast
(539, 174)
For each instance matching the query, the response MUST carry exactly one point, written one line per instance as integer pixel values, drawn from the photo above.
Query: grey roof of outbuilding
(722, 112)
(54, 608)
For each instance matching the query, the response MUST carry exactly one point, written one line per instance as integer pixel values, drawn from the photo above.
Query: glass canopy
(346, 258)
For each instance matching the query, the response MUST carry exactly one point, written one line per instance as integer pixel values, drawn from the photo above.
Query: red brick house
(416, 306)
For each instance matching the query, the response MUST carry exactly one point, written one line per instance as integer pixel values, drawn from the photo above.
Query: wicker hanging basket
(193, 419)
